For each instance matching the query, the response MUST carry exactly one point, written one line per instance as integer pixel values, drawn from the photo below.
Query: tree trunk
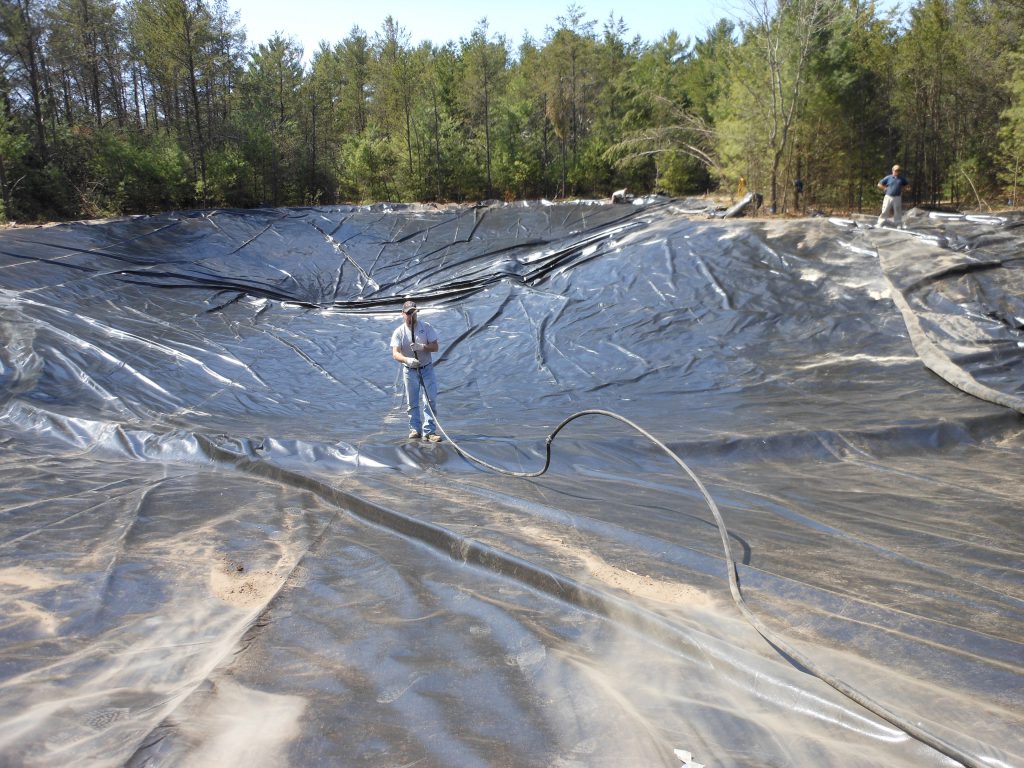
(6, 212)
(194, 92)
(30, 56)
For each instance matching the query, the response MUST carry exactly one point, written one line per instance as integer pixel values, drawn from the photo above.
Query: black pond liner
(218, 546)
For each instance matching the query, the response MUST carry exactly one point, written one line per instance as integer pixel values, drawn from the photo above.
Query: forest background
(139, 106)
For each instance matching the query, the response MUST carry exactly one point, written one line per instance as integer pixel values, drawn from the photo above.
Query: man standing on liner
(412, 344)
(893, 185)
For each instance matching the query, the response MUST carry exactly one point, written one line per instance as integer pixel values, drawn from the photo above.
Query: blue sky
(310, 21)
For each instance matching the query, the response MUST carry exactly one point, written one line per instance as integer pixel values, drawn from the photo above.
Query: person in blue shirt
(893, 185)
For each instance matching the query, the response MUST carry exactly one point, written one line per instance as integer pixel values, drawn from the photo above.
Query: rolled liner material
(213, 534)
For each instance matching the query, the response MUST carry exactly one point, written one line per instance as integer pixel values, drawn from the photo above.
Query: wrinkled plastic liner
(218, 547)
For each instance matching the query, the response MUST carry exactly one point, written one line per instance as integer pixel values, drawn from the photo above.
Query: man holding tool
(411, 345)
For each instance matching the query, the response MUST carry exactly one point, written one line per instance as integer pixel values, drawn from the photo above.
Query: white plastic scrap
(687, 759)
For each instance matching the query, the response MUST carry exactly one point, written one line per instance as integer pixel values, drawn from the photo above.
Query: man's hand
(417, 347)
(412, 362)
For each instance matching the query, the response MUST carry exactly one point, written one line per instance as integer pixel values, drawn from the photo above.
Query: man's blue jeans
(423, 423)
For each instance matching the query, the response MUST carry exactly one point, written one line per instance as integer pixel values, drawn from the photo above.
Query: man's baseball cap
(408, 307)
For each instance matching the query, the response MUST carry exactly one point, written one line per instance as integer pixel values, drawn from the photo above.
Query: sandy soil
(624, 579)
(233, 583)
(25, 581)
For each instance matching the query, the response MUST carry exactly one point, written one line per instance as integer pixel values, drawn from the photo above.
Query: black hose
(933, 741)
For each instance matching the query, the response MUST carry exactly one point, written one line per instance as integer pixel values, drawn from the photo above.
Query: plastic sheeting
(217, 548)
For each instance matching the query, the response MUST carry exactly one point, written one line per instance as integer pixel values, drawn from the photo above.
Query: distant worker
(893, 185)
(411, 345)
(622, 196)
(741, 188)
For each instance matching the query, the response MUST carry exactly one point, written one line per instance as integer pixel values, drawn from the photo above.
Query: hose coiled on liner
(911, 729)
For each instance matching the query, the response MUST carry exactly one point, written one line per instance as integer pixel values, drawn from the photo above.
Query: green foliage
(14, 146)
(106, 173)
(121, 107)
(1010, 158)
(369, 162)
(669, 146)
(230, 178)
(268, 118)
(948, 93)
(154, 174)
(773, 70)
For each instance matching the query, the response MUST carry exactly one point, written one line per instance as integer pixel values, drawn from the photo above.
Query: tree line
(131, 106)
